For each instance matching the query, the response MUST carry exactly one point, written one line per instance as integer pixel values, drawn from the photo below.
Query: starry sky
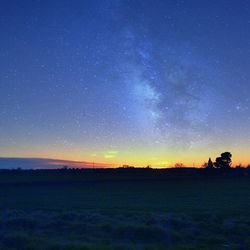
(145, 82)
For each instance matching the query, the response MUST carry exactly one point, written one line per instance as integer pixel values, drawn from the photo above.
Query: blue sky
(155, 81)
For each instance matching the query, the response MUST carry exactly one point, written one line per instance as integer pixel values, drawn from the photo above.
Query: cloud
(40, 163)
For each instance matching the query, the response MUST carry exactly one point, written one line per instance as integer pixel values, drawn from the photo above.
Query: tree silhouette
(224, 161)
(210, 164)
(179, 165)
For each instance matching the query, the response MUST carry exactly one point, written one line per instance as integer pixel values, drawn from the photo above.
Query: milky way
(125, 82)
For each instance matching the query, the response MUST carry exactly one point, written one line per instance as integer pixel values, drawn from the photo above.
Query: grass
(115, 210)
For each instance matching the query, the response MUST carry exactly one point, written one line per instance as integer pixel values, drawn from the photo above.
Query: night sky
(125, 82)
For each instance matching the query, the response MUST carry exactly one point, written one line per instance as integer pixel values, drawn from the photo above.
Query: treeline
(134, 172)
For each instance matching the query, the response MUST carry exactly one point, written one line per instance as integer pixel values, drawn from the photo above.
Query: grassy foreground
(123, 210)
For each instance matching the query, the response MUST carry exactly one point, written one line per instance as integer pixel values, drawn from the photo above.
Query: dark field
(98, 209)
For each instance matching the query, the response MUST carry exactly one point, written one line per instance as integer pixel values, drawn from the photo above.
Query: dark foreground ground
(98, 209)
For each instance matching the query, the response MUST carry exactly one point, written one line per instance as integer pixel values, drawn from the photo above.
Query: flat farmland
(101, 209)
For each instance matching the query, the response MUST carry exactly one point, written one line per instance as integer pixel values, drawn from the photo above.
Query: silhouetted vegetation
(210, 164)
(223, 162)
